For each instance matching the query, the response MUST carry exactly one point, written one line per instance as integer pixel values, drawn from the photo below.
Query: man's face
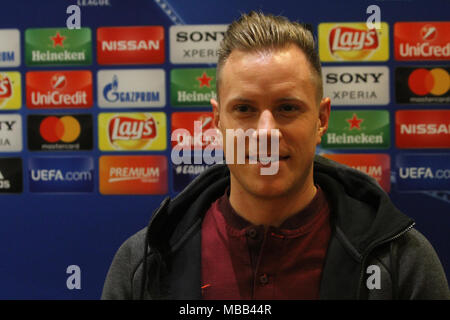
(268, 90)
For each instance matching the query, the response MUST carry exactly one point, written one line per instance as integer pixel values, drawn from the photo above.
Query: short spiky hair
(257, 31)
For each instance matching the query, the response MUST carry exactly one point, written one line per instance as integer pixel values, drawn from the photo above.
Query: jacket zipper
(372, 248)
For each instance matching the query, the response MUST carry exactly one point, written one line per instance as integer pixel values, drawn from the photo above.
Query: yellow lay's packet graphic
(10, 91)
(347, 41)
(132, 131)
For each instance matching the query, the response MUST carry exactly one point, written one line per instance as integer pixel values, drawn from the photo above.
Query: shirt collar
(300, 220)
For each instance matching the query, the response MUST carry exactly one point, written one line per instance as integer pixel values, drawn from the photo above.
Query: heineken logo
(193, 87)
(355, 122)
(358, 129)
(58, 40)
(54, 46)
(204, 80)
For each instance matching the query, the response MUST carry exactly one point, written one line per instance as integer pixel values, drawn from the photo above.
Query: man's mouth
(265, 160)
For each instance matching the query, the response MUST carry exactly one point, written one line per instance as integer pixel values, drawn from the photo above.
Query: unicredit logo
(195, 124)
(424, 50)
(428, 32)
(56, 99)
(48, 89)
(130, 45)
(58, 81)
(422, 40)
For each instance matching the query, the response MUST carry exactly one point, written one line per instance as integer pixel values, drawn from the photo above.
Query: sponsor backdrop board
(87, 115)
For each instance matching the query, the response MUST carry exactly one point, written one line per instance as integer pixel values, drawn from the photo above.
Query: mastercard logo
(435, 81)
(66, 129)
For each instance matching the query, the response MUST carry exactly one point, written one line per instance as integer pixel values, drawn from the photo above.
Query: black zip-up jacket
(374, 252)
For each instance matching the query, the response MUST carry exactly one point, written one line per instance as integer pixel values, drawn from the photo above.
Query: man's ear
(324, 117)
(215, 106)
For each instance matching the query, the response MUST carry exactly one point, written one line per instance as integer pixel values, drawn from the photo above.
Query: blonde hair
(257, 31)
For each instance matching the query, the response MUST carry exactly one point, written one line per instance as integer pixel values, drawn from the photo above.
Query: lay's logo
(347, 39)
(353, 42)
(132, 131)
(127, 128)
(10, 90)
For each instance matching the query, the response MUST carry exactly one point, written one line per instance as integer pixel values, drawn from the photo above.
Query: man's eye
(242, 108)
(288, 108)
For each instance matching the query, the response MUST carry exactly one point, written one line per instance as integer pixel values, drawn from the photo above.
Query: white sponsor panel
(356, 85)
(131, 88)
(9, 47)
(10, 133)
(195, 43)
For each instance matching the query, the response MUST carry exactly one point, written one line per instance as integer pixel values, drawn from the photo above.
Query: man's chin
(267, 191)
(268, 186)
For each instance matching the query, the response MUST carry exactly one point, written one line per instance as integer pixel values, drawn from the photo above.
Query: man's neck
(271, 211)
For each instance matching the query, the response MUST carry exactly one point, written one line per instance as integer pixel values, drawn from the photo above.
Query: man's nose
(266, 121)
(267, 128)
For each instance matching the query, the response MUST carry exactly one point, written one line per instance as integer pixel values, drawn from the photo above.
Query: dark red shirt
(244, 261)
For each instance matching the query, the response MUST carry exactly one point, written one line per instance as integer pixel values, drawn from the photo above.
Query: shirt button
(263, 279)
(252, 233)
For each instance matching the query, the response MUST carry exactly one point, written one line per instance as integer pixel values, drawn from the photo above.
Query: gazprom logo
(6, 56)
(110, 91)
(61, 175)
(112, 94)
(131, 88)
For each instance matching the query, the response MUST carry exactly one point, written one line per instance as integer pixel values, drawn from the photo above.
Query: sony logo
(199, 36)
(8, 125)
(348, 77)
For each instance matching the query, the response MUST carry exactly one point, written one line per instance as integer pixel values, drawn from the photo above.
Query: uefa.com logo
(236, 140)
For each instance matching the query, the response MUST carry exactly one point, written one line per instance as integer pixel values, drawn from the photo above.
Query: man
(314, 230)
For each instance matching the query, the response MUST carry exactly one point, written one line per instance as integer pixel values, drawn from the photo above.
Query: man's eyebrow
(292, 100)
(241, 99)
(289, 99)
